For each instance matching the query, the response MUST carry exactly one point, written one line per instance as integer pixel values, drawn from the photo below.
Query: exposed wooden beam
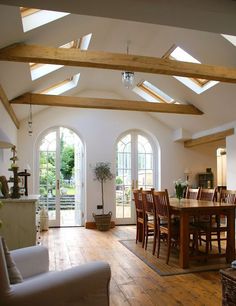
(99, 103)
(105, 60)
(8, 107)
(208, 138)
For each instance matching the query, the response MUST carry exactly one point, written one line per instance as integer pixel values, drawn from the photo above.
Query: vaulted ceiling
(146, 39)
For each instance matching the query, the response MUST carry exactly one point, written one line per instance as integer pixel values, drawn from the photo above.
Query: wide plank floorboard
(133, 282)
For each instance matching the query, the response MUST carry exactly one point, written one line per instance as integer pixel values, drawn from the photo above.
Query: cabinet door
(19, 223)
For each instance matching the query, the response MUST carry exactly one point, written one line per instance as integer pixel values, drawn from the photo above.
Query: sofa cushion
(13, 272)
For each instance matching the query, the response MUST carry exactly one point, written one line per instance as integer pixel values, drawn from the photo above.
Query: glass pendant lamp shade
(128, 78)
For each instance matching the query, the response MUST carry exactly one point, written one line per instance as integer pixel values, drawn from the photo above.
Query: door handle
(132, 185)
(58, 184)
(136, 184)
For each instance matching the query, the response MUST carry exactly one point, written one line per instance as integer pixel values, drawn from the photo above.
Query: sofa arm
(31, 260)
(83, 285)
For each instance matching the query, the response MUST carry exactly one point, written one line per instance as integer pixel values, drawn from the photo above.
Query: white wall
(99, 131)
(231, 161)
(8, 133)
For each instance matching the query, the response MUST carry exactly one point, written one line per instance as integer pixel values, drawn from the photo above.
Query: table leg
(184, 240)
(230, 248)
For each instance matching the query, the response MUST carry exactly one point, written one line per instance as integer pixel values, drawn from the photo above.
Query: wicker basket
(103, 222)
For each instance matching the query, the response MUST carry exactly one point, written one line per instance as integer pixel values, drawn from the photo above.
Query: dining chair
(150, 224)
(228, 196)
(140, 222)
(209, 225)
(192, 193)
(208, 194)
(165, 225)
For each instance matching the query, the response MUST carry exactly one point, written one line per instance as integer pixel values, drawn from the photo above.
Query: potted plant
(102, 173)
(180, 187)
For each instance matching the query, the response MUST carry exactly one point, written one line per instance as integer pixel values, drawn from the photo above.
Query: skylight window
(151, 93)
(34, 18)
(230, 38)
(63, 86)
(196, 84)
(39, 70)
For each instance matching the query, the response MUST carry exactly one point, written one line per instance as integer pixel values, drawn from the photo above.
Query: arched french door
(60, 177)
(135, 168)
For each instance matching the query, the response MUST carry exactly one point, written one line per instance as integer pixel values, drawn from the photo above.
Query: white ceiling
(217, 103)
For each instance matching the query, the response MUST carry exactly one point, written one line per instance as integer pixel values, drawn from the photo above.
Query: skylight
(34, 18)
(63, 86)
(39, 70)
(196, 84)
(151, 93)
(230, 38)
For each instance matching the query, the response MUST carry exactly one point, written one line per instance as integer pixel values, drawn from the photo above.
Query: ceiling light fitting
(128, 79)
(30, 121)
(128, 76)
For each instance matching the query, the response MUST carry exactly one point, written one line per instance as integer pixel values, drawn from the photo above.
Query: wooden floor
(133, 282)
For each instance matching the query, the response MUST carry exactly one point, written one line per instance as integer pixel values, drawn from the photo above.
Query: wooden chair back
(162, 204)
(138, 200)
(228, 196)
(207, 194)
(148, 203)
(192, 193)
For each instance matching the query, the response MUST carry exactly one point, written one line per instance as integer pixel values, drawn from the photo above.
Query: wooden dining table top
(189, 204)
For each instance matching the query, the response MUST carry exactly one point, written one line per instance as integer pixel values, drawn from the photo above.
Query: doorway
(221, 167)
(61, 177)
(135, 168)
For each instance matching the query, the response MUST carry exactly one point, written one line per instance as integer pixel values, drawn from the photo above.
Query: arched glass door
(60, 177)
(134, 169)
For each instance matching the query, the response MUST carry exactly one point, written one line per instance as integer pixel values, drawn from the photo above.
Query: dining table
(188, 208)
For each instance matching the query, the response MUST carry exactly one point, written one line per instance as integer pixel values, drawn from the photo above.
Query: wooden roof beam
(8, 107)
(106, 60)
(208, 138)
(100, 103)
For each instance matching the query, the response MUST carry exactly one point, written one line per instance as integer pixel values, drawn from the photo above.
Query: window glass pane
(149, 178)
(141, 161)
(123, 178)
(145, 163)
(141, 148)
(149, 161)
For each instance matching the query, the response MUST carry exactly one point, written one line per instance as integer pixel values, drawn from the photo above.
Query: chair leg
(208, 241)
(154, 241)
(146, 236)
(143, 234)
(218, 232)
(158, 241)
(218, 240)
(137, 232)
(168, 248)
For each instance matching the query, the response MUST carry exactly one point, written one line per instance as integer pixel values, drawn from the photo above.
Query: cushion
(13, 272)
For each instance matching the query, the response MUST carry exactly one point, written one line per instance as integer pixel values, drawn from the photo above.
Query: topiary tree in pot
(102, 173)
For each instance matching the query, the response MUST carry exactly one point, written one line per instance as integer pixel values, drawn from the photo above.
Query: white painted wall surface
(8, 133)
(99, 131)
(231, 161)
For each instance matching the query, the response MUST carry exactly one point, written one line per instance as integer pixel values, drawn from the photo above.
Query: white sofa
(85, 285)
